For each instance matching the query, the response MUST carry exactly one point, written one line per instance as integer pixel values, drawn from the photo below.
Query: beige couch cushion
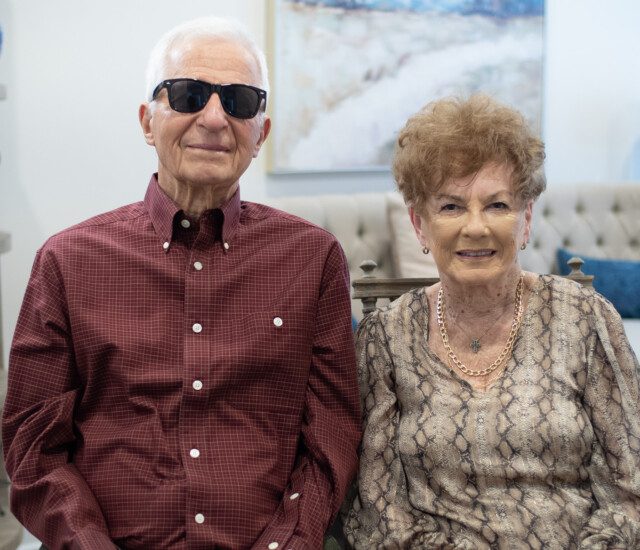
(408, 258)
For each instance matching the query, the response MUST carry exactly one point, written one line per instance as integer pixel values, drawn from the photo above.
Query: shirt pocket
(280, 337)
(266, 368)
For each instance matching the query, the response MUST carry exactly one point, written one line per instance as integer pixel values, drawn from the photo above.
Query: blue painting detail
(494, 8)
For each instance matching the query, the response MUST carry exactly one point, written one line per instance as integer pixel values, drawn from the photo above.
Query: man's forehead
(208, 52)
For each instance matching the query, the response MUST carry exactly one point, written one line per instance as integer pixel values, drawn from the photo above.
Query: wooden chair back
(369, 288)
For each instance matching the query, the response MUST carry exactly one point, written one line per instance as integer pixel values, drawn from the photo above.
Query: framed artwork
(347, 74)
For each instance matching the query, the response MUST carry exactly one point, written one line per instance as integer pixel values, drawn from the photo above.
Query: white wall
(71, 146)
(592, 91)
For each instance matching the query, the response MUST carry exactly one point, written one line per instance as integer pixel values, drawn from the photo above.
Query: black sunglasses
(187, 95)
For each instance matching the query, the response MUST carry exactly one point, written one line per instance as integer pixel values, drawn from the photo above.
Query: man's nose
(213, 115)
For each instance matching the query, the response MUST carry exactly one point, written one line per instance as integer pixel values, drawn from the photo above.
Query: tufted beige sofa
(600, 221)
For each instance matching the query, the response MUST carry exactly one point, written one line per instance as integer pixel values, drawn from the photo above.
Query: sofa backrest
(599, 221)
(358, 221)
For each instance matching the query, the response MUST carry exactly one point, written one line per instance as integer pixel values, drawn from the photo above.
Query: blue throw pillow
(354, 323)
(617, 280)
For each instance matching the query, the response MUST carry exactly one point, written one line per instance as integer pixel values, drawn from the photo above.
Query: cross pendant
(475, 345)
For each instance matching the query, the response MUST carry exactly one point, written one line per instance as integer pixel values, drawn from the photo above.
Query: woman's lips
(484, 253)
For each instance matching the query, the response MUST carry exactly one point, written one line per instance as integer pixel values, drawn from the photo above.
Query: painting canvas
(347, 74)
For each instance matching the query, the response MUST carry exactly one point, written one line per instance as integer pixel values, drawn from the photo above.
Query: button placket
(200, 250)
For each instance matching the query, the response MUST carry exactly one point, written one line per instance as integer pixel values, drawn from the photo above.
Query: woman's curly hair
(454, 138)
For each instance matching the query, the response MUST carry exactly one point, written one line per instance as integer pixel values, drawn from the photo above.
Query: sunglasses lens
(240, 101)
(188, 96)
(191, 96)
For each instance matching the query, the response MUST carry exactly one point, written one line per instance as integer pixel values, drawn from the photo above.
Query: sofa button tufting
(633, 243)
(546, 212)
(615, 207)
(599, 240)
(536, 244)
(566, 242)
(579, 208)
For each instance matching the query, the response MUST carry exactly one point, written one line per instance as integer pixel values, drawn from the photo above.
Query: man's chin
(208, 177)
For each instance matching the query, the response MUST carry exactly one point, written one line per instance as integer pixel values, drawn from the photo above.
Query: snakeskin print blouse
(546, 457)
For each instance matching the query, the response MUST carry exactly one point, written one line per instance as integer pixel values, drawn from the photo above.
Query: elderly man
(182, 373)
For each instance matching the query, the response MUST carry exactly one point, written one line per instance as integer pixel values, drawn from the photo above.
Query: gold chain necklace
(515, 325)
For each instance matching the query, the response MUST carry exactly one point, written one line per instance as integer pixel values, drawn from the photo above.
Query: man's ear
(264, 132)
(144, 116)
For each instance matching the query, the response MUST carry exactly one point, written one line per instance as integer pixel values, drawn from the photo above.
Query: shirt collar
(162, 211)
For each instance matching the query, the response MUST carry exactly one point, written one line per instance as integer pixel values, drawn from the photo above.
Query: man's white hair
(181, 36)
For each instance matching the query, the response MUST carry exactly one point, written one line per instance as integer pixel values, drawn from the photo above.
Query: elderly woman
(501, 407)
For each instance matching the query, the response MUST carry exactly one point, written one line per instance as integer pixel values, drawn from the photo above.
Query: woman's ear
(528, 215)
(418, 225)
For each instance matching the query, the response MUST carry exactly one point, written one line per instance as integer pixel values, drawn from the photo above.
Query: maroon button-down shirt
(177, 384)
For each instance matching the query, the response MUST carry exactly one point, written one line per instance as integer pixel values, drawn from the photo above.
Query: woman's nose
(475, 224)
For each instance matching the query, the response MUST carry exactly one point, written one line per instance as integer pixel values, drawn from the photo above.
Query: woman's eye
(500, 205)
(449, 207)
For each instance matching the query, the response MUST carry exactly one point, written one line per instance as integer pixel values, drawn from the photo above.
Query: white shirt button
(185, 223)
(294, 496)
(277, 321)
(194, 453)
(197, 385)
(273, 546)
(165, 245)
(226, 246)
(197, 266)
(197, 328)
(199, 518)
